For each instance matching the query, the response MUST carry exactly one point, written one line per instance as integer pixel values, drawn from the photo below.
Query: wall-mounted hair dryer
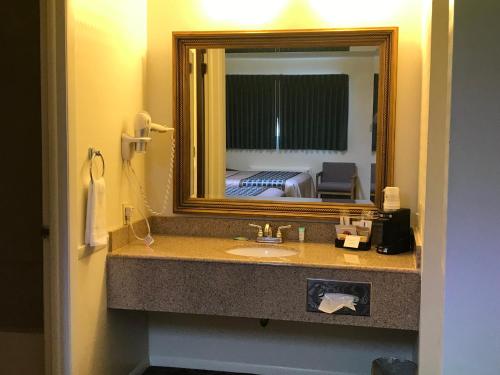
(142, 129)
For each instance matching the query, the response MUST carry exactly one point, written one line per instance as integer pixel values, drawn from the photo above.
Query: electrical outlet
(127, 211)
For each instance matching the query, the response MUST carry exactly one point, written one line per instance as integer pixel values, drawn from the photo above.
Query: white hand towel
(96, 233)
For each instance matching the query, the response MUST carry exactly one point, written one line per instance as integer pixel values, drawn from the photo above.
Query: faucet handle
(278, 233)
(260, 233)
(268, 230)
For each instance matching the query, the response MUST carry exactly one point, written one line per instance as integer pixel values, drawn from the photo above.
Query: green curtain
(250, 111)
(313, 111)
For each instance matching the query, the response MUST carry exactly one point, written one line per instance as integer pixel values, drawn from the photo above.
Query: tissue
(332, 302)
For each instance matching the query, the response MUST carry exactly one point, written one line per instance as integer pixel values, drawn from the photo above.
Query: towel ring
(92, 154)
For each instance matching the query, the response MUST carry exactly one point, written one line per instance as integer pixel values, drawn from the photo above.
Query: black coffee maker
(397, 235)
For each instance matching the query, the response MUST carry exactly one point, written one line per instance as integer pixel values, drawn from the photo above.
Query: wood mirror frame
(384, 38)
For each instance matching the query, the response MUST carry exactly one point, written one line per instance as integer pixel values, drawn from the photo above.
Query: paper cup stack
(391, 198)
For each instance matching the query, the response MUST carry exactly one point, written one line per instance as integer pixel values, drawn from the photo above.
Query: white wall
(236, 344)
(163, 18)
(106, 47)
(471, 333)
(359, 149)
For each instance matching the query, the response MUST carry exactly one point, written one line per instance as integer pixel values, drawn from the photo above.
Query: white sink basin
(263, 252)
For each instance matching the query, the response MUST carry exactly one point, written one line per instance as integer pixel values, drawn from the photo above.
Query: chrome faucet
(266, 235)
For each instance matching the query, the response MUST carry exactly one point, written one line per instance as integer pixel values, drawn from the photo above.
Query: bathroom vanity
(197, 275)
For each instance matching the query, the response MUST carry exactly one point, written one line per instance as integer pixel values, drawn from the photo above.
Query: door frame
(55, 185)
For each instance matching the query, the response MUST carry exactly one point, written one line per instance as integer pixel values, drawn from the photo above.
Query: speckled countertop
(320, 255)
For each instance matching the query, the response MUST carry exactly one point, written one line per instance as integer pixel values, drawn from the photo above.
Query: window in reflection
(294, 124)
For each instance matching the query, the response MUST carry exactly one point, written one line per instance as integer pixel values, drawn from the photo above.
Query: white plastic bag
(332, 302)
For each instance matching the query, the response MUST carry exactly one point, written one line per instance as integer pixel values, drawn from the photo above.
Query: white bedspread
(300, 186)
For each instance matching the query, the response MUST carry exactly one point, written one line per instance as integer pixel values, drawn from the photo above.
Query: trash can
(393, 366)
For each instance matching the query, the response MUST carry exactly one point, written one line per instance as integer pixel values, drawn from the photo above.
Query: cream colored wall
(106, 49)
(167, 16)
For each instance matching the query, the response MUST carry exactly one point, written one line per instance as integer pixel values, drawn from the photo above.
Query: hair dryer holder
(129, 144)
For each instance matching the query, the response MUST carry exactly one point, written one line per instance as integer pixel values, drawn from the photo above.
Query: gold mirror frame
(384, 38)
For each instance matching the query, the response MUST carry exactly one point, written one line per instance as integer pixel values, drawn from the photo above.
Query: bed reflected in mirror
(284, 124)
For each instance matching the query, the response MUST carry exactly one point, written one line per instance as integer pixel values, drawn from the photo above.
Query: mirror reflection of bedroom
(288, 124)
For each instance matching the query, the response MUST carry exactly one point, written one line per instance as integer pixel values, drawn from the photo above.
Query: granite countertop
(319, 255)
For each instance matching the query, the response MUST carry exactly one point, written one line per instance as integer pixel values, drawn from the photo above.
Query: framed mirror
(284, 123)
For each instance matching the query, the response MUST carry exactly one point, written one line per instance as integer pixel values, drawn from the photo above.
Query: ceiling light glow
(360, 12)
(247, 12)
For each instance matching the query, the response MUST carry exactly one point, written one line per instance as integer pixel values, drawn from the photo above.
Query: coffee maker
(397, 235)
